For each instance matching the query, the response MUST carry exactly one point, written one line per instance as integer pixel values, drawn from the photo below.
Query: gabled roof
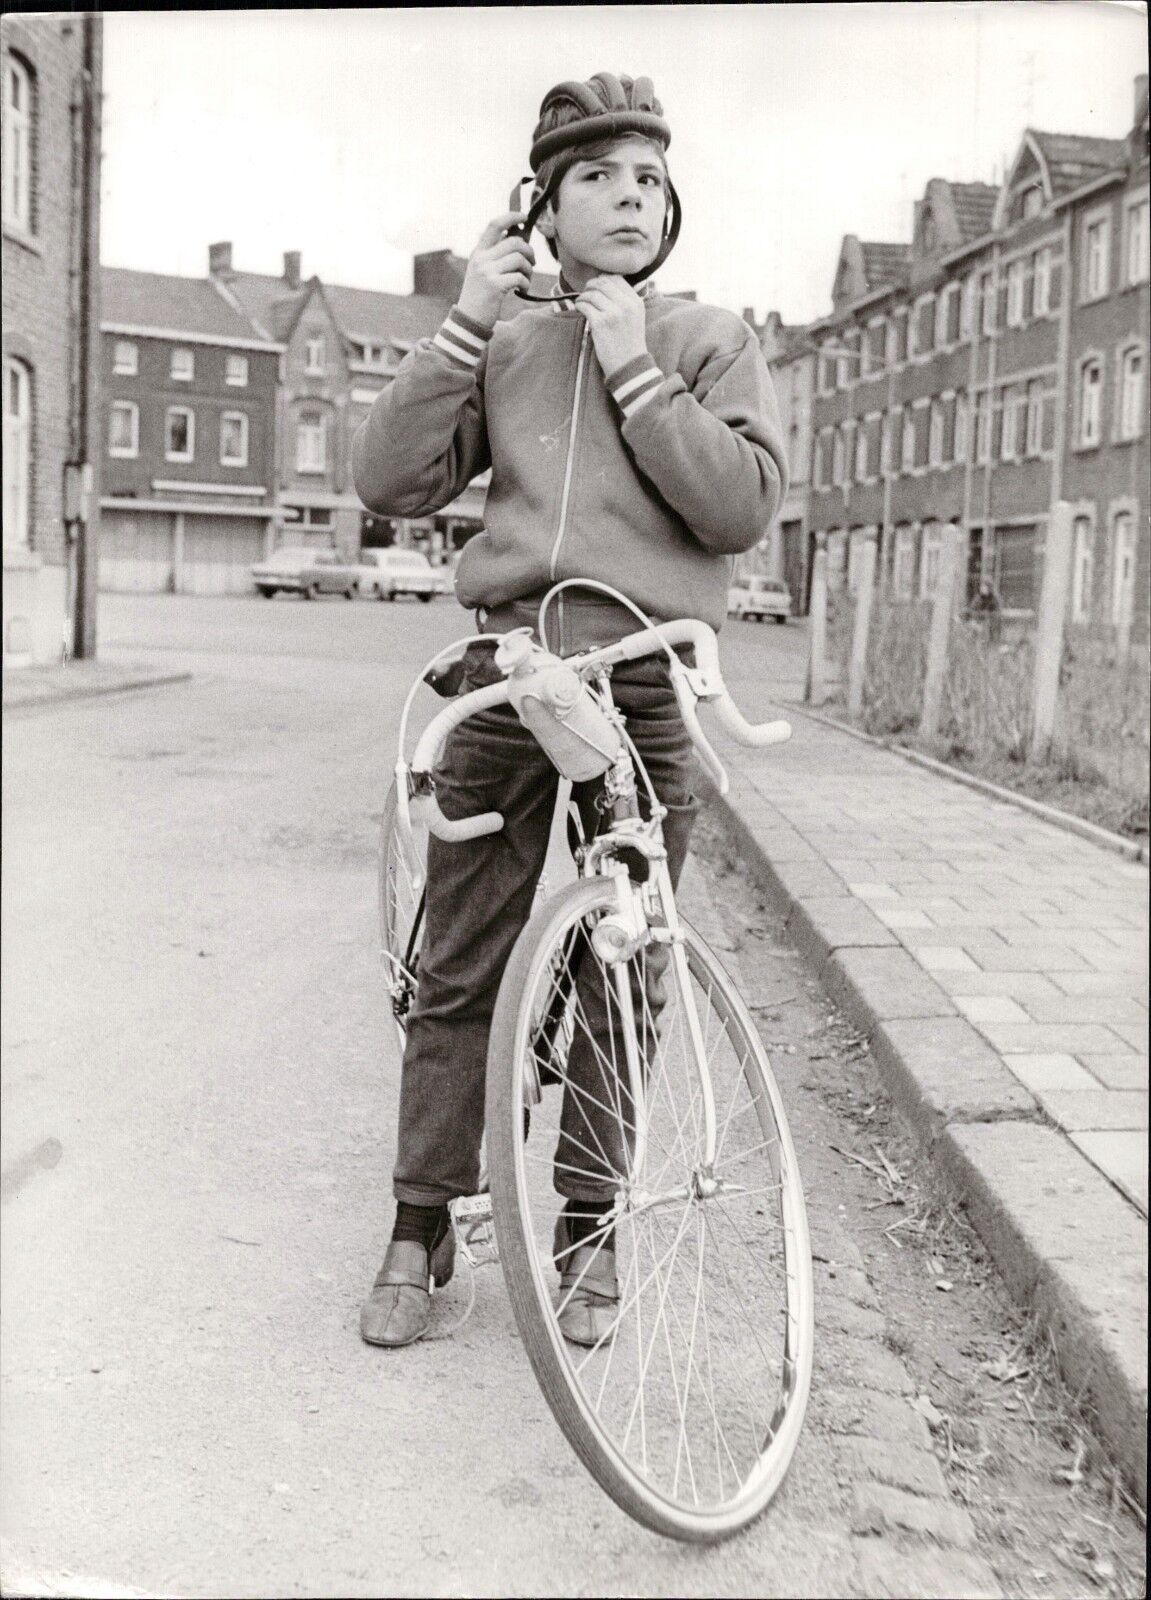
(1072, 158)
(974, 208)
(371, 314)
(885, 263)
(268, 300)
(162, 300)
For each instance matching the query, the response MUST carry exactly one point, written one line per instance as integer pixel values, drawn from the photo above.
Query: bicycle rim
(402, 873)
(688, 1412)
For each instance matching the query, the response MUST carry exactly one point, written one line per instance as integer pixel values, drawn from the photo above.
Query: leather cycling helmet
(574, 114)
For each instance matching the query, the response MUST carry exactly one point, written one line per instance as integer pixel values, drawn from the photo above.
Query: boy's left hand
(614, 313)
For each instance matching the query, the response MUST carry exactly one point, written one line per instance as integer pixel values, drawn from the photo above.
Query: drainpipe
(84, 496)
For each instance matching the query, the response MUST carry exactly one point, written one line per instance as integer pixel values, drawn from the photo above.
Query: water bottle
(558, 707)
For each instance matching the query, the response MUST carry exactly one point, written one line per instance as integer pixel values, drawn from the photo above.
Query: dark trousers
(479, 896)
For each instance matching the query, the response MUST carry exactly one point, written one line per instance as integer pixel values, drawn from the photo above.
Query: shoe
(399, 1308)
(588, 1284)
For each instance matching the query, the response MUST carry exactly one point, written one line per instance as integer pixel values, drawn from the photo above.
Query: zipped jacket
(651, 479)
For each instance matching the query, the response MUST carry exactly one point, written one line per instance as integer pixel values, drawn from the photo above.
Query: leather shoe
(399, 1308)
(589, 1287)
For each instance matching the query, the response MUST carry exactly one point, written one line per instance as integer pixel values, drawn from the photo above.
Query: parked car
(757, 597)
(388, 573)
(297, 570)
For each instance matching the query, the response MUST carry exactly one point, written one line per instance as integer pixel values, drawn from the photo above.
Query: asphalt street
(199, 1109)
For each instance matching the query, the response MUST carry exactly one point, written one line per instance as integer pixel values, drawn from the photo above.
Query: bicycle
(688, 1408)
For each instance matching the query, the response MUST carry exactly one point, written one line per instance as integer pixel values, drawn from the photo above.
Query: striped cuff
(632, 385)
(462, 338)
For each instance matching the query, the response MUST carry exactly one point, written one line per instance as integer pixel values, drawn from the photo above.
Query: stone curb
(1066, 820)
(972, 1122)
(36, 694)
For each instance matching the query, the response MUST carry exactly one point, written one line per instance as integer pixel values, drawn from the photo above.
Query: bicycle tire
(522, 1219)
(402, 869)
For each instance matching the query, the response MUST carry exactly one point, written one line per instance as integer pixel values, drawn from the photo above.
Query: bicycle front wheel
(402, 879)
(688, 1410)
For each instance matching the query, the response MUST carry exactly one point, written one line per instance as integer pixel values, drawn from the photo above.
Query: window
(1123, 569)
(179, 434)
(1131, 394)
(1083, 570)
(17, 147)
(1042, 291)
(236, 371)
(233, 439)
(1090, 395)
(929, 563)
(922, 327)
(1095, 242)
(907, 443)
(1034, 441)
(861, 454)
(987, 296)
(874, 346)
(826, 373)
(837, 457)
(124, 429)
(983, 427)
(954, 302)
(968, 304)
(1016, 276)
(939, 336)
(183, 365)
(890, 425)
(935, 437)
(126, 358)
(1137, 244)
(310, 444)
(1030, 202)
(903, 563)
(17, 451)
(314, 354)
(1009, 443)
(960, 447)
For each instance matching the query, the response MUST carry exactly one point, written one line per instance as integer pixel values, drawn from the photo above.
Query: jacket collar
(560, 308)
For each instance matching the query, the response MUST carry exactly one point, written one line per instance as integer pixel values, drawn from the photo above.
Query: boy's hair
(623, 107)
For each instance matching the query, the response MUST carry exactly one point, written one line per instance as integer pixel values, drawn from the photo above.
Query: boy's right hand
(498, 263)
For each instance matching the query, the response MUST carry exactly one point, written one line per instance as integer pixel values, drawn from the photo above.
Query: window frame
(1082, 567)
(1129, 413)
(317, 422)
(907, 440)
(983, 427)
(935, 433)
(1099, 219)
(19, 133)
(126, 358)
(961, 444)
(1082, 442)
(1033, 418)
(132, 451)
(1016, 288)
(930, 552)
(1041, 306)
(904, 561)
(242, 418)
(315, 368)
(241, 365)
(1122, 597)
(988, 293)
(179, 352)
(1138, 202)
(19, 426)
(180, 456)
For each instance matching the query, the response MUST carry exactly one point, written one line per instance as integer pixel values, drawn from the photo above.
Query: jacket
(651, 479)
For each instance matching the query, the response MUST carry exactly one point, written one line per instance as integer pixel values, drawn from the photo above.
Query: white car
(299, 570)
(757, 597)
(388, 573)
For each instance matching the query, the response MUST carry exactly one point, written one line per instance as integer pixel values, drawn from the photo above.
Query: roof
(161, 300)
(1074, 157)
(885, 263)
(267, 300)
(974, 207)
(372, 314)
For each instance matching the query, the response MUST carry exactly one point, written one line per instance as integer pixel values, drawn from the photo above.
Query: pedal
(475, 1229)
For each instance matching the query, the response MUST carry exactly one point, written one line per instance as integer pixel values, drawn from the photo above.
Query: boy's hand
(614, 312)
(497, 264)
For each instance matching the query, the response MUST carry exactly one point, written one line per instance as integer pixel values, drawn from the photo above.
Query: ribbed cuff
(462, 338)
(632, 385)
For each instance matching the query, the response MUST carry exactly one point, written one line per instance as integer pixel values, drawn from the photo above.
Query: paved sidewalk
(999, 966)
(77, 680)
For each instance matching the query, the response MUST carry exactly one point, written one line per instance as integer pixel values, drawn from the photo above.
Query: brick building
(190, 395)
(52, 68)
(973, 377)
(789, 354)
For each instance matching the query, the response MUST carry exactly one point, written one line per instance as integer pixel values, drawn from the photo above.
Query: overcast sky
(361, 137)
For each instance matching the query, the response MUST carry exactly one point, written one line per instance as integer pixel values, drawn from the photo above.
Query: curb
(14, 700)
(1066, 820)
(1023, 1185)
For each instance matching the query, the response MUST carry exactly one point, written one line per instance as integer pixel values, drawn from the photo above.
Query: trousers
(479, 897)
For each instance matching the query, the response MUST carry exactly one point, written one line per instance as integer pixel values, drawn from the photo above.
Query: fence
(1058, 711)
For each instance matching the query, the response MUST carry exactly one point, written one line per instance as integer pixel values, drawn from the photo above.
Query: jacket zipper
(570, 457)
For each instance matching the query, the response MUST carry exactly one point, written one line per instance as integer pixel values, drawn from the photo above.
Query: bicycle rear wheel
(402, 879)
(688, 1412)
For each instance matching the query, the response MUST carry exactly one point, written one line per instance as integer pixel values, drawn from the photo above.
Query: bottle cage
(526, 228)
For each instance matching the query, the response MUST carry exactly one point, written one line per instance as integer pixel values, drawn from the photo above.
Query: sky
(362, 137)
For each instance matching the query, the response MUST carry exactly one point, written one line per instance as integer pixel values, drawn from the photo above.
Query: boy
(632, 439)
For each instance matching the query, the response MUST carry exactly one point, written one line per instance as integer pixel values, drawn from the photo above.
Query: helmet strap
(527, 227)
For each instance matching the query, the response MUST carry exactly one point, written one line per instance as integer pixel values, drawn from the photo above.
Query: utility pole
(81, 496)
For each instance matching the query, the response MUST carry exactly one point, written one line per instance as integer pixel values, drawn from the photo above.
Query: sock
(426, 1225)
(583, 1220)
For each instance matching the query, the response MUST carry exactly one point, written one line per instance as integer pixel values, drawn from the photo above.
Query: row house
(789, 354)
(52, 72)
(991, 367)
(189, 476)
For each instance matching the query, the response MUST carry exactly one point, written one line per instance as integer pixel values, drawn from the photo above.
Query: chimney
(440, 274)
(292, 267)
(220, 259)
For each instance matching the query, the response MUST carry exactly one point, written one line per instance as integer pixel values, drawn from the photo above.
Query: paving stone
(1118, 1072)
(875, 986)
(888, 1418)
(1044, 1074)
(1038, 1038)
(873, 891)
(901, 916)
(1008, 958)
(1108, 1009)
(1123, 1157)
(945, 958)
(824, 923)
(974, 940)
(879, 1509)
(876, 1367)
(927, 1574)
(1133, 1033)
(844, 1315)
(916, 1471)
(1015, 985)
(1095, 1110)
(940, 1070)
(989, 1008)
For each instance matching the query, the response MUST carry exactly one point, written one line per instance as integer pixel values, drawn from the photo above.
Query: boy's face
(611, 212)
